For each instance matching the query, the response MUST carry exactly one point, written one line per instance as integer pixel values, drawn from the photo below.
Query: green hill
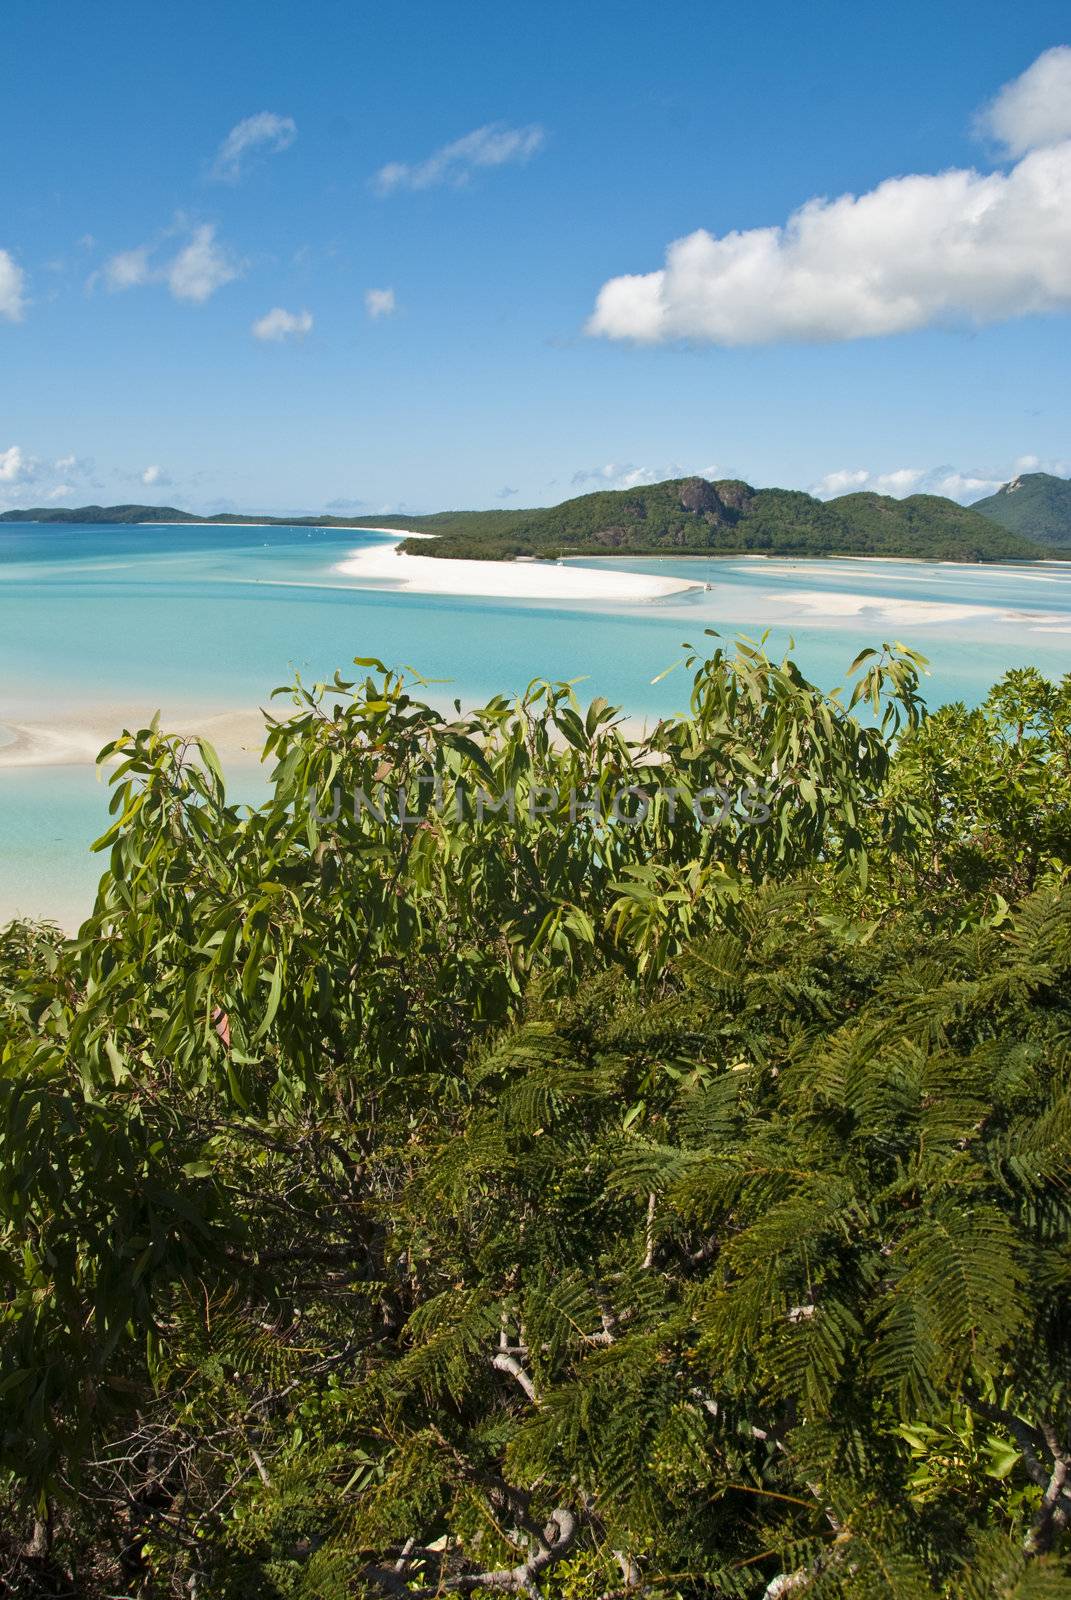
(683, 516)
(141, 514)
(691, 516)
(1035, 505)
(93, 514)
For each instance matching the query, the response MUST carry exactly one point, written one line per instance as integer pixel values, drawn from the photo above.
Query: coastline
(379, 565)
(497, 580)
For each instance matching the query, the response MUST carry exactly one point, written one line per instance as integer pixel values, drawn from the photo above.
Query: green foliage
(419, 1199)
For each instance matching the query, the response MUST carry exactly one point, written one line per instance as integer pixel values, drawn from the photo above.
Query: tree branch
(551, 1543)
(502, 1361)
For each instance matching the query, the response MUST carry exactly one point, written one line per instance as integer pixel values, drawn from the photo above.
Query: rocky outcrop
(735, 494)
(700, 497)
(719, 504)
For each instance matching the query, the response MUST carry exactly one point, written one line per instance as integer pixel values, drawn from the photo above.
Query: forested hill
(684, 516)
(137, 515)
(1035, 505)
(92, 514)
(691, 516)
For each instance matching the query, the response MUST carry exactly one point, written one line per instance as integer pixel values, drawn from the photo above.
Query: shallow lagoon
(113, 622)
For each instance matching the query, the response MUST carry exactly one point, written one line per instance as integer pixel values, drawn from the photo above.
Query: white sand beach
(77, 739)
(378, 565)
(832, 604)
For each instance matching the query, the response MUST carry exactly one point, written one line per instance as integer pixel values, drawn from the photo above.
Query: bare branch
(550, 1544)
(649, 1234)
(502, 1361)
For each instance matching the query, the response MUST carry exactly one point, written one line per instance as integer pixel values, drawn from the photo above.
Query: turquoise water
(110, 620)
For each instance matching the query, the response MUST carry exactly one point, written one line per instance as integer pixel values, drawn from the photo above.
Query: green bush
(553, 1203)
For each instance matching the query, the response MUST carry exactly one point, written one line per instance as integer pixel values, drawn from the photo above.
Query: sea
(110, 622)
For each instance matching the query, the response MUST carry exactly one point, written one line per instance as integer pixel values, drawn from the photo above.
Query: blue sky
(488, 170)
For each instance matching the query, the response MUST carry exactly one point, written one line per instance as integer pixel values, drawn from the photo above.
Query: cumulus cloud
(12, 288)
(26, 480)
(73, 467)
(850, 480)
(15, 465)
(494, 145)
(506, 493)
(626, 475)
(955, 246)
(614, 475)
(17, 470)
(965, 486)
(194, 273)
(278, 324)
(1034, 109)
(128, 269)
(846, 480)
(266, 134)
(155, 477)
(201, 267)
(380, 303)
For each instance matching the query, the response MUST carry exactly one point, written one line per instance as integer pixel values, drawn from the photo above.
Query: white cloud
(12, 288)
(201, 267)
(626, 475)
(194, 274)
(901, 481)
(72, 467)
(1034, 109)
(278, 324)
(948, 247)
(494, 145)
(15, 465)
(847, 480)
(897, 482)
(380, 303)
(198, 269)
(27, 481)
(266, 132)
(17, 472)
(616, 475)
(965, 486)
(128, 269)
(155, 477)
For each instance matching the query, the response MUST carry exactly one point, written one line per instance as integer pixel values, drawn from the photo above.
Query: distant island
(1028, 519)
